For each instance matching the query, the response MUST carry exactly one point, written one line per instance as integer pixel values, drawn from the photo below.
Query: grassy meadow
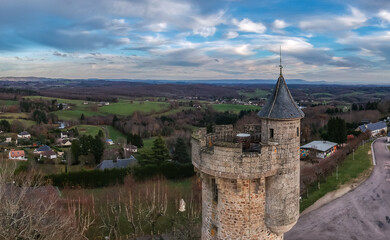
(235, 108)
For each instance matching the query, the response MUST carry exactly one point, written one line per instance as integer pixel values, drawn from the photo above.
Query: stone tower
(250, 179)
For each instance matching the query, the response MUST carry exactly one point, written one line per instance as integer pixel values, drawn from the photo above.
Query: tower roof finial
(280, 55)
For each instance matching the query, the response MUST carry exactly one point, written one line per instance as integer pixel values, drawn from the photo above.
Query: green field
(258, 93)
(8, 102)
(14, 115)
(148, 142)
(113, 133)
(59, 100)
(127, 107)
(123, 107)
(75, 114)
(235, 108)
(21, 117)
(349, 170)
(88, 129)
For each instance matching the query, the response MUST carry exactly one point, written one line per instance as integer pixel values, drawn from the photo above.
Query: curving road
(363, 213)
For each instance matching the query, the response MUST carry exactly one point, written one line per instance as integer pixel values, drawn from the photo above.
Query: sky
(332, 40)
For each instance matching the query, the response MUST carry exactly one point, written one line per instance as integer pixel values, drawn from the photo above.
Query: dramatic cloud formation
(195, 39)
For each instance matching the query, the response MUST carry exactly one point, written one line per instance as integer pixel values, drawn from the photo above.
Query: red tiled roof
(17, 153)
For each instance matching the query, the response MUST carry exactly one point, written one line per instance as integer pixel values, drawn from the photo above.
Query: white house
(24, 134)
(63, 135)
(375, 128)
(131, 148)
(8, 140)
(48, 154)
(17, 155)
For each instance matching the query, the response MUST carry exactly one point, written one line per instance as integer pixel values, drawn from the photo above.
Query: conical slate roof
(280, 104)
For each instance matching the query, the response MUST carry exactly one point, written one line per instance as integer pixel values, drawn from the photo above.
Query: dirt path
(363, 213)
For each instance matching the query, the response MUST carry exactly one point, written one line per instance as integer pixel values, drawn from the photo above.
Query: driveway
(363, 213)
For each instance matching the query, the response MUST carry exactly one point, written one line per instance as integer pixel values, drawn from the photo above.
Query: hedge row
(90, 179)
(170, 170)
(98, 178)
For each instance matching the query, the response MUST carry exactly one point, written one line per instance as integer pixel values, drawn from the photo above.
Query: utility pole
(337, 172)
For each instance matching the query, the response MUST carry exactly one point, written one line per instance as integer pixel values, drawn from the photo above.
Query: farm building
(17, 155)
(375, 128)
(118, 163)
(24, 134)
(319, 149)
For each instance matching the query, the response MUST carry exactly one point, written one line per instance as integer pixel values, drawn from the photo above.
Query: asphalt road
(363, 213)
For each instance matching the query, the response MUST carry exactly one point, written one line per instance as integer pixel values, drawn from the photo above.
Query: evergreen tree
(82, 117)
(5, 126)
(75, 148)
(337, 130)
(100, 134)
(181, 154)
(114, 119)
(135, 140)
(160, 151)
(76, 132)
(39, 116)
(97, 148)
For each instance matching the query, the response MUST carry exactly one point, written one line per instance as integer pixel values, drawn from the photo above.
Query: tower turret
(250, 179)
(280, 124)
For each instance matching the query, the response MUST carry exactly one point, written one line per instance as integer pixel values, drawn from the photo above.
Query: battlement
(231, 154)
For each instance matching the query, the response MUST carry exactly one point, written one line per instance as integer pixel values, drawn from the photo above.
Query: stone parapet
(229, 161)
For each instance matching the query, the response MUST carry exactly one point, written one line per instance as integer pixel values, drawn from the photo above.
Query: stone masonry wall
(282, 189)
(239, 211)
(258, 192)
(231, 162)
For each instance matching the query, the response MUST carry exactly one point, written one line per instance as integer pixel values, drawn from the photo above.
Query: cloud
(231, 35)
(355, 20)
(279, 24)
(247, 25)
(58, 54)
(375, 44)
(385, 15)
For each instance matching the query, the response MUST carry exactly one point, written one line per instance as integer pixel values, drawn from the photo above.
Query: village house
(118, 163)
(375, 128)
(48, 154)
(65, 143)
(24, 135)
(63, 135)
(17, 155)
(8, 139)
(61, 125)
(131, 148)
(42, 149)
(318, 149)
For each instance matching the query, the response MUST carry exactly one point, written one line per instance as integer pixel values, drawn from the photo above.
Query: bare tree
(30, 209)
